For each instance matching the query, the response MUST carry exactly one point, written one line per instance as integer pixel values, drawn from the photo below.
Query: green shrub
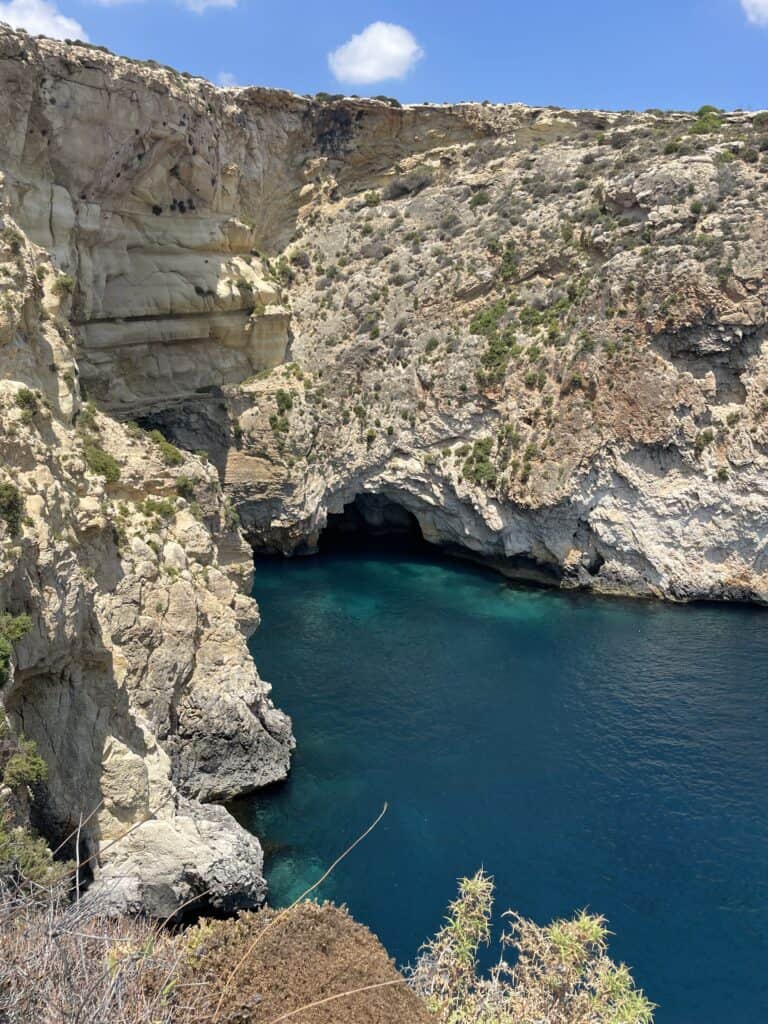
(372, 198)
(479, 199)
(478, 468)
(63, 285)
(11, 508)
(24, 767)
(707, 123)
(25, 857)
(284, 401)
(29, 403)
(86, 420)
(510, 263)
(170, 453)
(101, 462)
(163, 507)
(703, 440)
(185, 487)
(557, 973)
(279, 424)
(12, 629)
(486, 322)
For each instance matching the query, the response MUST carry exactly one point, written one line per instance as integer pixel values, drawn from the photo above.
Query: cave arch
(371, 517)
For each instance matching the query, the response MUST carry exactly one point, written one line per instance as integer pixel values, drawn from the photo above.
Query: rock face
(539, 331)
(135, 679)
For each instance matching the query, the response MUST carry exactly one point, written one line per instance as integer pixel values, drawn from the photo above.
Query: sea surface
(587, 752)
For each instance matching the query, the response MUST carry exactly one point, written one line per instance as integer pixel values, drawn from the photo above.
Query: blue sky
(597, 53)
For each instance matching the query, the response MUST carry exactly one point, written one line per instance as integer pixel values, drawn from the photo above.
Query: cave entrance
(376, 521)
(372, 519)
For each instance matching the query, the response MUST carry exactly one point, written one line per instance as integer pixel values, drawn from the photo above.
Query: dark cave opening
(377, 521)
(372, 519)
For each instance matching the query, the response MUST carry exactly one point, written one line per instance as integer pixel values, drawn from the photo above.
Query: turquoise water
(586, 752)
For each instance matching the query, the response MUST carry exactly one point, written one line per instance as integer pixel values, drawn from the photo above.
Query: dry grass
(64, 963)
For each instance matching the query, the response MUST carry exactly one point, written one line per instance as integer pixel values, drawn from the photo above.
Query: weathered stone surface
(135, 679)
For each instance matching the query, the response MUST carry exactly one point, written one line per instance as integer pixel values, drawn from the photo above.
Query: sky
(674, 54)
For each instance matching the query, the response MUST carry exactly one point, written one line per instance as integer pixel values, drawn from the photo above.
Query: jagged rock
(198, 860)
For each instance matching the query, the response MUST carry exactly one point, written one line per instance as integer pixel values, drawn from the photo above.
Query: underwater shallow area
(585, 751)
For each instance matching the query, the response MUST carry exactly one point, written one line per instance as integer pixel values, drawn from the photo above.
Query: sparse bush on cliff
(12, 629)
(11, 508)
(478, 468)
(707, 122)
(29, 403)
(185, 487)
(562, 973)
(25, 859)
(284, 401)
(63, 285)
(479, 199)
(101, 462)
(170, 453)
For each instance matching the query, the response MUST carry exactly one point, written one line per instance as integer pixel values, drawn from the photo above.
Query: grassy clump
(29, 403)
(11, 508)
(170, 453)
(284, 401)
(12, 629)
(478, 468)
(562, 973)
(101, 462)
(486, 322)
(63, 285)
(23, 855)
(162, 507)
(707, 122)
(185, 487)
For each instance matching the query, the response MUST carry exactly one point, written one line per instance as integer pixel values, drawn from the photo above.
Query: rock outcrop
(539, 331)
(134, 679)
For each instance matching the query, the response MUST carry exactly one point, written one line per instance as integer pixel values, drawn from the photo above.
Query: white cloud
(756, 11)
(201, 6)
(227, 80)
(41, 18)
(378, 52)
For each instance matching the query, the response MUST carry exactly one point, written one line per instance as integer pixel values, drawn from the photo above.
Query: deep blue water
(586, 752)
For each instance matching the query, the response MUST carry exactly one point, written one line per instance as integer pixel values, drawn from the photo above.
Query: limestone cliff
(540, 331)
(134, 679)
